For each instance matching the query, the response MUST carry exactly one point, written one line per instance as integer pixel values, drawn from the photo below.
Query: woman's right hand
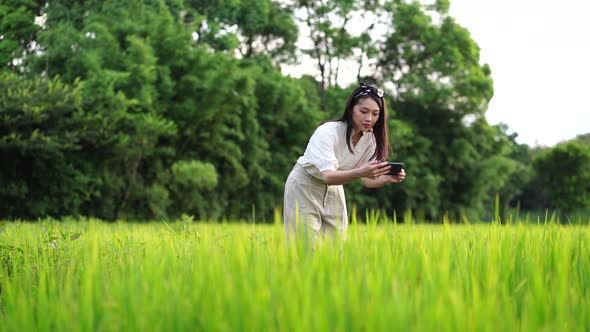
(374, 169)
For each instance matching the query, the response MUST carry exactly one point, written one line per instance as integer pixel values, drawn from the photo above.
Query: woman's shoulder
(331, 126)
(330, 130)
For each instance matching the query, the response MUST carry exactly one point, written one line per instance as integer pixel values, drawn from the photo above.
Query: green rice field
(189, 276)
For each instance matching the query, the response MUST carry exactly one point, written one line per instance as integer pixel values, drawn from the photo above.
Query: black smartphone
(395, 167)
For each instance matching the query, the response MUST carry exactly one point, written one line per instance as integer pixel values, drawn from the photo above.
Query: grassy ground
(183, 276)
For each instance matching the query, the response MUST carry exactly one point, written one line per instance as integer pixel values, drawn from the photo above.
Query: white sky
(539, 53)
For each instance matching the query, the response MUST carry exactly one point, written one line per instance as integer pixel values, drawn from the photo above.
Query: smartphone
(395, 167)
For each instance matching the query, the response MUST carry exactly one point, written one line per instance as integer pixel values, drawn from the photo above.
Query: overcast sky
(539, 54)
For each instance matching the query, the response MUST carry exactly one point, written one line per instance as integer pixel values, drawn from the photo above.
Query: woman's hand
(380, 181)
(399, 177)
(374, 169)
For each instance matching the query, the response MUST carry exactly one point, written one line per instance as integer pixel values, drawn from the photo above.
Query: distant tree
(332, 41)
(584, 139)
(287, 116)
(441, 92)
(252, 27)
(563, 177)
(149, 109)
(267, 28)
(42, 130)
(18, 30)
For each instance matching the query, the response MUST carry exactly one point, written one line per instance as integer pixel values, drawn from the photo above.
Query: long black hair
(379, 129)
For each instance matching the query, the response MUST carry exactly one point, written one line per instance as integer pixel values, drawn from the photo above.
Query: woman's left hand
(399, 177)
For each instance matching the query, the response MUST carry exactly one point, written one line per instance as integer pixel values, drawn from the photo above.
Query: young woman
(349, 148)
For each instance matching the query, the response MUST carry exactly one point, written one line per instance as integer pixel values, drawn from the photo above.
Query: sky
(539, 54)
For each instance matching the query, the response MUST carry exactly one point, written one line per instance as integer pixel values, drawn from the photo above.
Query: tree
(149, 109)
(252, 27)
(42, 129)
(18, 30)
(563, 176)
(266, 28)
(113, 57)
(441, 94)
(287, 115)
(584, 139)
(332, 42)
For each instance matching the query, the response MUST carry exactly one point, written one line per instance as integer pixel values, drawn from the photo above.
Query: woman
(351, 147)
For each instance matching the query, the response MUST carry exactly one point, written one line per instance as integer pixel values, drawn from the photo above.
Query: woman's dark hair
(380, 128)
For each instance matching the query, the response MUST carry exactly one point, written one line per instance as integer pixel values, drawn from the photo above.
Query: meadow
(189, 276)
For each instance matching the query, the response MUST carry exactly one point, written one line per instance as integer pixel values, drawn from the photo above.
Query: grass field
(185, 276)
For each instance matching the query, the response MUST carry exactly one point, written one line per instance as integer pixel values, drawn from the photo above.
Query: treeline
(144, 109)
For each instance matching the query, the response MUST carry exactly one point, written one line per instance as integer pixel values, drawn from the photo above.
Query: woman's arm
(384, 179)
(373, 169)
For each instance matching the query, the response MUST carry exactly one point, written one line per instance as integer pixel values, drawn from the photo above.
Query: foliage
(563, 177)
(253, 27)
(42, 133)
(143, 109)
(189, 183)
(438, 124)
(18, 30)
(333, 42)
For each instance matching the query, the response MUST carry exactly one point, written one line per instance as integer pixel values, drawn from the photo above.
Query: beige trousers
(313, 207)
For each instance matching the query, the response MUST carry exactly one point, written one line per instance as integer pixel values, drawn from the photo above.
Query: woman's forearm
(372, 170)
(334, 178)
(376, 183)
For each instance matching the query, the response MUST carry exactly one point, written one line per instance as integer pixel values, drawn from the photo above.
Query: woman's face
(365, 114)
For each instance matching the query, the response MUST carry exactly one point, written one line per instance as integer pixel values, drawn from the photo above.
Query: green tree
(146, 109)
(441, 94)
(332, 42)
(188, 183)
(42, 166)
(584, 139)
(253, 27)
(266, 28)
(111, 53)
(18, 30)
(287, 116)
(563, 177)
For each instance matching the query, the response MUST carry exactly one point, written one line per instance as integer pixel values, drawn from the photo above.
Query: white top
(327, 150)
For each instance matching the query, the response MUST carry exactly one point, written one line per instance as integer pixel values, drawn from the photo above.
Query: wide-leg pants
(312, 206)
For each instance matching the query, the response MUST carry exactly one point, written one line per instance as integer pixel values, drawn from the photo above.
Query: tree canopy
(144, 109)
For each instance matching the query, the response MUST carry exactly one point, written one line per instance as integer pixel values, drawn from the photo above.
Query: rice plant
(190, 276)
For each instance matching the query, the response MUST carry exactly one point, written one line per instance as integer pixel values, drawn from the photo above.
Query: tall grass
(185, 276)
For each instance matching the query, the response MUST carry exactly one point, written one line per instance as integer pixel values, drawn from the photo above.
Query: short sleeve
(321, 148)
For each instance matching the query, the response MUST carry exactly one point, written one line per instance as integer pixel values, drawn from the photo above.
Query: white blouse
(327, 150)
